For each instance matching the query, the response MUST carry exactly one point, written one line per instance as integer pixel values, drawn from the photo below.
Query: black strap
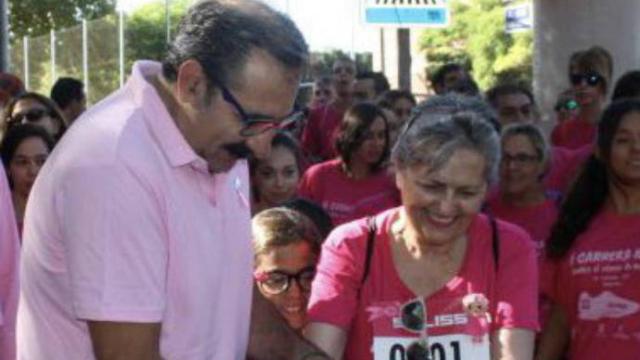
(495, 240)
(371, 225)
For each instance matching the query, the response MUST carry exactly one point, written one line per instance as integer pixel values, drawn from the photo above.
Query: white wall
(565, 26)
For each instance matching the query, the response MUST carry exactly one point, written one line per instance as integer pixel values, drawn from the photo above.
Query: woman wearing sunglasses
(433, 278)
(590, 74)
(286, 246)
(35, 109)
(596, 247)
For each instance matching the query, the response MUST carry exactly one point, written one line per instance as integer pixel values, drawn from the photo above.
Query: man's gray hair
(435, 133)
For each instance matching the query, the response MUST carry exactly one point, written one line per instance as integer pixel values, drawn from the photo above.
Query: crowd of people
(203, 212)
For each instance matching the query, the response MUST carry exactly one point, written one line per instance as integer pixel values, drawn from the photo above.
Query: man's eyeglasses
(413, 317)
(591, 78)
(258, 124)
(32, 115)
(278, 282)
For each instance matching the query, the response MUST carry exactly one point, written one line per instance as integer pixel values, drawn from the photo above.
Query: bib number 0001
(448, 347)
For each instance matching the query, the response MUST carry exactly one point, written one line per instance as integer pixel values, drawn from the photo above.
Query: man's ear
(191, 84)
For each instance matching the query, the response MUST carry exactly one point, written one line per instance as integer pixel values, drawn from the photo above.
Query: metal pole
(354, 15)
(4, 37)
(25, 56)
(85, 57)
(167, 18)
(52, 37)
(121, 46)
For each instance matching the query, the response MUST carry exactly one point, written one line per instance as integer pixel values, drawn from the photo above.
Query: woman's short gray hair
(431, 138)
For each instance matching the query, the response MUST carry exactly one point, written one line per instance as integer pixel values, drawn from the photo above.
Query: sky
(326, 24)
(330, 24)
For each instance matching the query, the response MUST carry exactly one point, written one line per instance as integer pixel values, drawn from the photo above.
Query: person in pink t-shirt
(9, 250)
(590, 74)
(521, 198)
(357, 183)
(432, 278)
(137, 240)
(319, 133)
(595, 249)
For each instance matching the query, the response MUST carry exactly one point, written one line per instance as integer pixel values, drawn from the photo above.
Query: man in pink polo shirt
(137, 241)
(9, 248)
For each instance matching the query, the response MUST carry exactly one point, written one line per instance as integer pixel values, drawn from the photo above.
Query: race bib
(445, 347)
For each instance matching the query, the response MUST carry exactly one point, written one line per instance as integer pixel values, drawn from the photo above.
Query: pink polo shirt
(9, 249)
(125, 224)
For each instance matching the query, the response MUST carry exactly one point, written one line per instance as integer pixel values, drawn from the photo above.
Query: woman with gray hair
(521, 197)
(433, 278)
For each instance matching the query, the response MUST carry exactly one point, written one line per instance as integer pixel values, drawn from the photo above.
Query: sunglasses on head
(413, 318)
(29, 116)
(591, 78)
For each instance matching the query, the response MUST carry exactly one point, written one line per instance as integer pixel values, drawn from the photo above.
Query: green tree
(38, 17)
(477, 39)
(322, 62)
(146, 30)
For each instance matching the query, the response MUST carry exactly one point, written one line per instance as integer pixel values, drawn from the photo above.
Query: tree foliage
(477, 39)
(146, 30)
(38, 17)
(322, 62)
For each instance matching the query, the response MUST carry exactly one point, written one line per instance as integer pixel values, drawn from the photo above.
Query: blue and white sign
(519, 18)
(407, 13)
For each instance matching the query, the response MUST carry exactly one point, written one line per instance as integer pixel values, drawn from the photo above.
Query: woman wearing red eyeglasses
(590, 74)
(286, 247)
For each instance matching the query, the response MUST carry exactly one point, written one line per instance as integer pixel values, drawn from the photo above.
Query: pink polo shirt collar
(158, 119)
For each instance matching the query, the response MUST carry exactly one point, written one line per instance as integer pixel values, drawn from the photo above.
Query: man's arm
(512, 344)
(272, 338)
(125, 341)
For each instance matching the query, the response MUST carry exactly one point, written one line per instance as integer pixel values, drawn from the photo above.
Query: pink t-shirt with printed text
(597, 285)
(346, 199)
(9, 253)
(511, 290)
(126, 224)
